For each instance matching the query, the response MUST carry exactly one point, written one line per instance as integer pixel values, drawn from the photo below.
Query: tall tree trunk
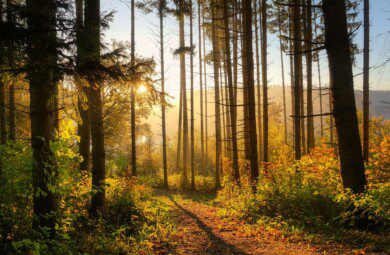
(283, 83)
(257, 25)
(184, 182)
(162, 71)
(3, 120)
(302, 19)
(227, 111)
(231, 99)
(192, 101)
(41, 72)
(11, 63)
(179, 131)
(12, 115)
(92, 28)
(319, 84)
(206, 96)
(235, 51)
(3, 112)
(202, 165)
(292, 90)
(265, 80)
(222, 99)
(217, 101)
(309, 71)
(338, 48)
(132, 97)
(84, 130)
(249, 84)
(331, 121)
(297, 72)
(366, 81)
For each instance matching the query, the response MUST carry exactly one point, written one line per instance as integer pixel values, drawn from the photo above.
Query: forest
(254, 127)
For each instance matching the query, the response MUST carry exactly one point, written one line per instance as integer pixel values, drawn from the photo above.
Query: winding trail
(202, 231)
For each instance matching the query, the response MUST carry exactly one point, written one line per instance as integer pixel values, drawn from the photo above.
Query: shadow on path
(221, 246)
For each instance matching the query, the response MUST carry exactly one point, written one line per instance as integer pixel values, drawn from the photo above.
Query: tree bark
(337, 43)
(132, 99)
(232, 106)
(202, 165)
(192, 100)
(265, 80)
(206, 96)
(297, 86)
(3, 111)
(366, 81)
(249, 84)
(217, 101)
(92, 28)
(41, 72)
(259, 121)
(179, 131)
(283, 82)
(309, 71)
(84, 128)
(162, 72)
(11, 62)
(183, 86)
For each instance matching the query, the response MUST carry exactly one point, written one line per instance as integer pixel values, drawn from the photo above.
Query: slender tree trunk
(84, 130)
(319, 85)
(309, 71)
(225, 138)
(206, 97)
(283, 82)
(3, 120)
(42, 60)
(202, 166)
(179, 131)
(338, 49)
(260, 134)
(132, 97)
(292, 82)
(227, 109)
(162, 71)
(11, 63)
(231, 99)
(366, 81)
(320, 95)
(192, 101)
(331, 122)
(217, 101)
(297, 72)
(223, 127)
(92, 28)
(265, 81)
(12, 116)
(184, 91)
(245, 91)
(302, 19)
(248, 54)
(235, 52)
(3, 111)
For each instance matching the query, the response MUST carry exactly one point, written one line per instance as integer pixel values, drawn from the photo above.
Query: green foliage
(306, 197)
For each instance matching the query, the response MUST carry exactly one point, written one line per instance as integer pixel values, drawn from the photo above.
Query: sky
(147, 45)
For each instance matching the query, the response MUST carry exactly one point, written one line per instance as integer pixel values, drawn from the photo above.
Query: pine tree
(92, 29)
(337, 41)
(42, 76)
(366, 81)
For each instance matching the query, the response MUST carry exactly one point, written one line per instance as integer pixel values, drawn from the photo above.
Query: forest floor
(200, 230)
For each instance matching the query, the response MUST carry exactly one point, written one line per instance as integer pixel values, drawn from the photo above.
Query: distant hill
(379, 106)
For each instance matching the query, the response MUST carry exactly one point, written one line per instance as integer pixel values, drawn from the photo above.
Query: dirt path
(203, 232)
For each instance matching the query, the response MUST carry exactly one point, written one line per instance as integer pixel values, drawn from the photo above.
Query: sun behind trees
(110, 147)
